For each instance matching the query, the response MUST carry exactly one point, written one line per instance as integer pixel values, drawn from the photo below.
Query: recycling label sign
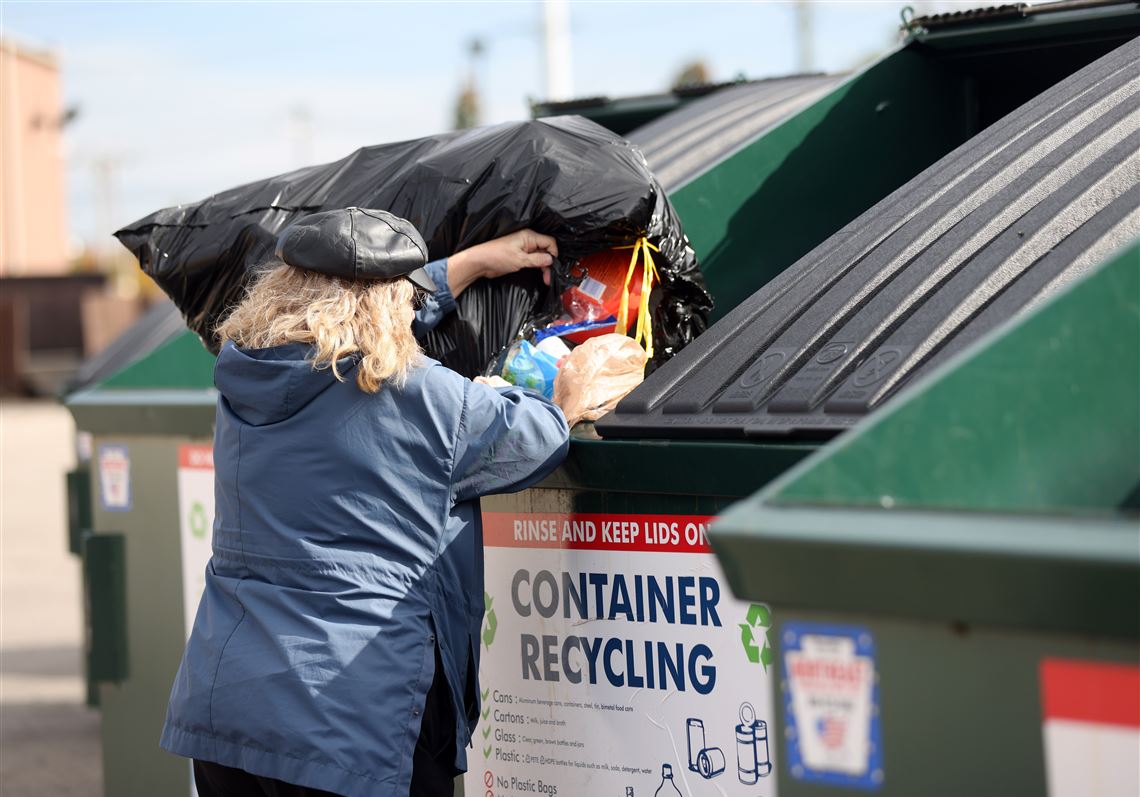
(196, 522)
(490, 623)
(615, 660)
(754, 635)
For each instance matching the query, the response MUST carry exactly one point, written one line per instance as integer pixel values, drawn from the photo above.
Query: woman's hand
(492, 381)
(506, 255)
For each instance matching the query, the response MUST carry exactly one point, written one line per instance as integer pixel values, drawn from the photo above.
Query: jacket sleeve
(437, 305)
(509, 439)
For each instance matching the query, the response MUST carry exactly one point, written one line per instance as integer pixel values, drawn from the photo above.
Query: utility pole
(805, 58)
(467, 105)
(104, 170)
(114, 260)
(556, 48)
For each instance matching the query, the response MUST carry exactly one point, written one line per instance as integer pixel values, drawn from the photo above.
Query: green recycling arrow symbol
(492, 624)
(759, 618)
(198, 523)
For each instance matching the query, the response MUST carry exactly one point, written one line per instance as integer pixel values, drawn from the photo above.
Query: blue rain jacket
(347, 546)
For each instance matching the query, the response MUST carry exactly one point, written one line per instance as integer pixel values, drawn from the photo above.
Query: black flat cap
(358, 244)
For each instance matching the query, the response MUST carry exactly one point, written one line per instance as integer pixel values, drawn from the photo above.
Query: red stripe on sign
(597, 532)
(197, 457)
(1086, 691)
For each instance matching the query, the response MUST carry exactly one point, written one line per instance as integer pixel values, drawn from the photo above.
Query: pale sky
(193, 98)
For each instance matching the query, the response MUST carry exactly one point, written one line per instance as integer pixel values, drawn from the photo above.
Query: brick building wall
(33, 221)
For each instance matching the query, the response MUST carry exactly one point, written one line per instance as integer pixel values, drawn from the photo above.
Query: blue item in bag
(578, 326)
(530, 368)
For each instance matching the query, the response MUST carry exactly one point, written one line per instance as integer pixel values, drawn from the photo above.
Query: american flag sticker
(831, 703)
(831, 731)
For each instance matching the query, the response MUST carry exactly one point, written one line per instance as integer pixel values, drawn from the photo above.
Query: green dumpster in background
(763, 172)
(136, 545)
(984, 543)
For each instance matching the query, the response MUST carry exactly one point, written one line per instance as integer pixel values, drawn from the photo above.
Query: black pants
(433, 772)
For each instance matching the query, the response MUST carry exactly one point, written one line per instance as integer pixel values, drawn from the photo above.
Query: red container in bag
(599, 295)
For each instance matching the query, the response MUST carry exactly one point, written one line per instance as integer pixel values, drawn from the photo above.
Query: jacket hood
(264, 386)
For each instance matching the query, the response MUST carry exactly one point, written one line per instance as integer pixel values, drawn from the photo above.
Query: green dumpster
(957, 584)
(144, 545)
(621, 657)
(982, 566)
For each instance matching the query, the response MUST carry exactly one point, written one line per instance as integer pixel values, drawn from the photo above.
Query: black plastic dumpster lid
(687, 142)
(1009, 11)
(1004, 220)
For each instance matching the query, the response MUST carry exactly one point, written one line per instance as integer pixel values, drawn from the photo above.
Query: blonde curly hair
(338, 317)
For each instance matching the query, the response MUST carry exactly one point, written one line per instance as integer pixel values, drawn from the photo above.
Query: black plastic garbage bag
(566, 177)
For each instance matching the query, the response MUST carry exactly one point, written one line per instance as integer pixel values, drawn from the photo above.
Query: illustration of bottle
(667, 788)
(752, 761)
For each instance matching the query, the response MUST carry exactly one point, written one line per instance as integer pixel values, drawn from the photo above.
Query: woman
(335, 650)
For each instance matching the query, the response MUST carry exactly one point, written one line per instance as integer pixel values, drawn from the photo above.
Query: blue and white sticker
(114, 477)
(831, 705)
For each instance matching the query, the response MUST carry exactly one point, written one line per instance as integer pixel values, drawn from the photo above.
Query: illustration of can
(710, 762)
(752, 761)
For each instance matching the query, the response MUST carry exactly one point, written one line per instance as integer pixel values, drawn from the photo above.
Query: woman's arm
(505, 255)
(509, 438)
(439, 304)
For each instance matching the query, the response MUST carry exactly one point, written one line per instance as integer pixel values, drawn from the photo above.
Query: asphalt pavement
(49, 740)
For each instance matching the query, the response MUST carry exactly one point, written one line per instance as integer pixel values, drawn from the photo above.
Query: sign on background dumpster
(1091, 727)
(115, 477)
(195, 522)
(616, 661)
(832, 704)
